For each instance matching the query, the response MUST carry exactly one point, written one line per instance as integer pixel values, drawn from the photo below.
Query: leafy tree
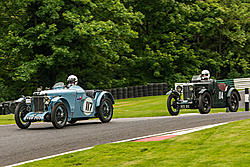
(180, 38)
(116, 43)
(43, 41)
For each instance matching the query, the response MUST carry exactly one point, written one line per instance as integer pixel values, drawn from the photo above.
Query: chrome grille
(187, 94)
(38, 103)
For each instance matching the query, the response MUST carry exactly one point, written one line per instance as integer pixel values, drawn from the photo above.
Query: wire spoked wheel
(205, 103)
(172, 106)
(233, 102)
(59, 115)
(105, 110)
(20, 113)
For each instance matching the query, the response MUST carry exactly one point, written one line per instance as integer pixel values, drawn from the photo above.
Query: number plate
(37, 118)
(185, 106)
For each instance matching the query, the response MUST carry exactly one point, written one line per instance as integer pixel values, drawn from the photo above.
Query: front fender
(230, 92)
(203, 91)
(56, 100)
(172, 92)
(63, 100)
(104, 94)
(21, 99)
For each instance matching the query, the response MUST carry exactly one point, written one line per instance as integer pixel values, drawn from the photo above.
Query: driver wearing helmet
(205, 75)
(71, 81)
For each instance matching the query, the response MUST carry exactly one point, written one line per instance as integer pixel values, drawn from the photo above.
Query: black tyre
(59, 115)
(205, 102)
(233, 102)
(105, 110)
(72, 121)
(172, 106)
(20, 113)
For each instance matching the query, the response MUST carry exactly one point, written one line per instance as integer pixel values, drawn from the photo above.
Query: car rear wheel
(105, 110)
(59, 115)
(233, 102)
(172, 106)
(20, 113)
(205, 103)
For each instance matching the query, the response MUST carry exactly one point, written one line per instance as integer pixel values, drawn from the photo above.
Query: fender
(203, 91)
(172, 92)
(21, 99)
(230, 92)
(56, 100)
(104, 94)
(61, 99)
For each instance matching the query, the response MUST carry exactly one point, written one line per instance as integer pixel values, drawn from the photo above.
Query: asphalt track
(42, 139)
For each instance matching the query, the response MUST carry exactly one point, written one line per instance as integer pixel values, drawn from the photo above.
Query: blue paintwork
(74, 98)
(106, 94)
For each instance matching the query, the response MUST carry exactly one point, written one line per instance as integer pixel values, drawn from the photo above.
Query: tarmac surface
(42, 139)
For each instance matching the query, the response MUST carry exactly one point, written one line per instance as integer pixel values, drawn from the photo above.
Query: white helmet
(72, 79)
(205, 75)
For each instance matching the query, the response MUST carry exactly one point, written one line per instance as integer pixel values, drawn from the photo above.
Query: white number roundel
(88, 106)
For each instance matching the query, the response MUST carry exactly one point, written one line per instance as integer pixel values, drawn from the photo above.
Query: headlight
(28, 101)
(179, 88)
(191, 88)
(46, 100)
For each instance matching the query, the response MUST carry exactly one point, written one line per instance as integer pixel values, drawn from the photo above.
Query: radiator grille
(187, 94)
(38, 103)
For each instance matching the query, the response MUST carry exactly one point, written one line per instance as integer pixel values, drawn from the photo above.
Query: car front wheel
(205, 103)
(172, 106)
(20, 113)
(233, 102)
(105, 110)
(59, 115)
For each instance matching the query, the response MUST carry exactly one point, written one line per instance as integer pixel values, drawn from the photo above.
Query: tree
(43, 41)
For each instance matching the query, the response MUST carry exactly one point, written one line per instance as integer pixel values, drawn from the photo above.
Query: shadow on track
(47, 126)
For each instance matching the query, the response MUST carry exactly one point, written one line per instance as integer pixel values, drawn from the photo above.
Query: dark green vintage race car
(203, 95)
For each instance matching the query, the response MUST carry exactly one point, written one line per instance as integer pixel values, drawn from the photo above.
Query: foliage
(43, 41)
(180, 38)
(115, 43)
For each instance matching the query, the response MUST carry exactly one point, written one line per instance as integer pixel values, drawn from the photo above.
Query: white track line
(176, 132)
(7, 125)
(51, 156)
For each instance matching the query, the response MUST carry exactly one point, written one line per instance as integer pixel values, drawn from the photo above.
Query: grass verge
(149, 106)
(226, 145)
(7, 119)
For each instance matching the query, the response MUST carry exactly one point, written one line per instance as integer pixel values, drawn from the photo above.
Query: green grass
(134, 107)
(7, 119)
(226, 145)
(149, 107)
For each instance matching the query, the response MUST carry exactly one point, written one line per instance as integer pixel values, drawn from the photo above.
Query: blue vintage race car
(61, 105)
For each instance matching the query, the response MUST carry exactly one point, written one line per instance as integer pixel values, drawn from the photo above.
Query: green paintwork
(219, 90)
